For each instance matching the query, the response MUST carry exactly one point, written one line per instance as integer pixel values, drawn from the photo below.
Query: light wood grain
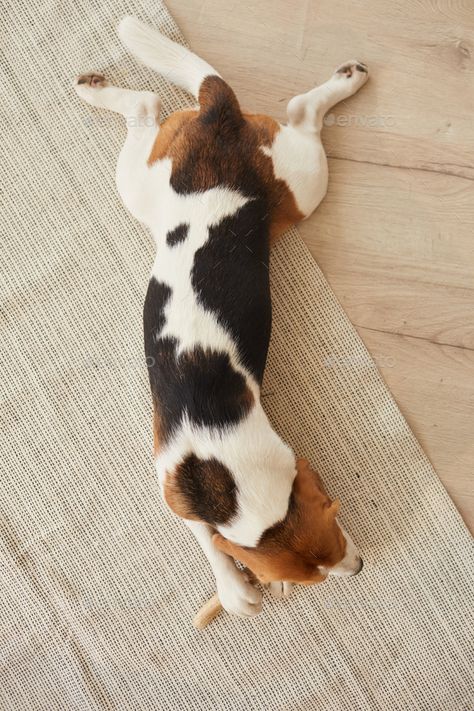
(394, 235)
(421, 95)
(434, 388)
(398, 249)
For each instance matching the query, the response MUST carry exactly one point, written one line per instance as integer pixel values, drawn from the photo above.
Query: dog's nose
(358, 568)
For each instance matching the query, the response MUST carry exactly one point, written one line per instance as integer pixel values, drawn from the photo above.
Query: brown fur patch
(169, 130)
(221, 146)
(202, 489)
(247, 400)
(176, 499)
(308, 537)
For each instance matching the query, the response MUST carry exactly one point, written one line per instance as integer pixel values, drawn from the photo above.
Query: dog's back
(207, 315)
(215, 160)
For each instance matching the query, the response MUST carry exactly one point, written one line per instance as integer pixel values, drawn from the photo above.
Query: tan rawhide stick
(213, 606)
(207, 612)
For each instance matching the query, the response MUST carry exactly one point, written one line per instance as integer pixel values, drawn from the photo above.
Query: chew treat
(207, 612)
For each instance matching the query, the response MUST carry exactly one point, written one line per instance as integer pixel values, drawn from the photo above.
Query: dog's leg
(297, 152)
(236, 595)
(175, 62)
(141, 110)
(96, 90)
(307, 111)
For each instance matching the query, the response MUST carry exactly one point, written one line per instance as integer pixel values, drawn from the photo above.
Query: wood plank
(397, 247)
(434, 388)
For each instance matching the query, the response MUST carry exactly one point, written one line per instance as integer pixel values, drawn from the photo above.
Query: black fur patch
(200, 383)
(208, 488)
(231, 278)
(177, 235)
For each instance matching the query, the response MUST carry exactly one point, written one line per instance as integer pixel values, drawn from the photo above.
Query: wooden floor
(394, 235)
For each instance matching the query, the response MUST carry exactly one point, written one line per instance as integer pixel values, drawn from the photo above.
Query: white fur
(262, 464)
(300, 160)
(174, 61)
(351, 562)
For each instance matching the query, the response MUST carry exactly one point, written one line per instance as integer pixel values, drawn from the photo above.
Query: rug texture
(99, 582)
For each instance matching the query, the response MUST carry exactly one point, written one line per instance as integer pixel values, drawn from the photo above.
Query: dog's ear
(226, 546)
(307, 480)
(251, 558)
(309, 487)
(266, 565)
(333, 508)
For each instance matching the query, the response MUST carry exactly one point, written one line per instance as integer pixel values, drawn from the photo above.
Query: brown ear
(302, 465)
(304, 476)
(226, 546)
(333, 509)
(307, 479)
(253, 560)
(249, 557)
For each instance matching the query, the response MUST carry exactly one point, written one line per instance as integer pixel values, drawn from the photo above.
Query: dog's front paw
(238, 596)
(280, 588)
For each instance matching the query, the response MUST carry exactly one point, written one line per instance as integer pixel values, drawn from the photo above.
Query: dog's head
(307, 545)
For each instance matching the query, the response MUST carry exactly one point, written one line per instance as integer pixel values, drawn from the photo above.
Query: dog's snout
(358, 567)
(348, 569)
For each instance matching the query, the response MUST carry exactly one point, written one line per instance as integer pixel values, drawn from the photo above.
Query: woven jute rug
(99, 582)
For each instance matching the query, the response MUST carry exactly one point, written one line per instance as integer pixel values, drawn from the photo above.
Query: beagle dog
(216, 186)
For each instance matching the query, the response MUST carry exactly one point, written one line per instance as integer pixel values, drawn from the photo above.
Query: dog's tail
(169, 58)
(218, 103)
